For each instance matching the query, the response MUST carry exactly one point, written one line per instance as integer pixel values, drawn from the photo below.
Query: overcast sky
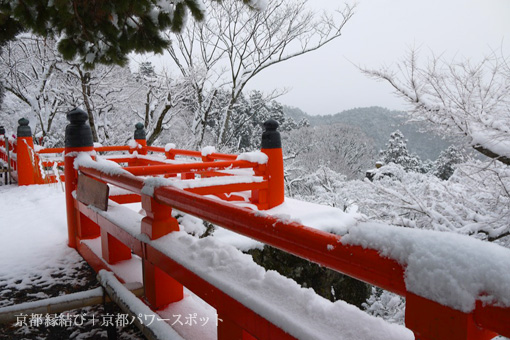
(380, 33)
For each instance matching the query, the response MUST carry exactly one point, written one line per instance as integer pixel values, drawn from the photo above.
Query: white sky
(380, 33)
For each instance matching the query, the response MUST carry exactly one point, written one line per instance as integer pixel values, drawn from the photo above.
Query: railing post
(78, 138)
(3, 143)
(160, 288)
(272, 147)
(25, 161)
(141, 145)
(430, 320)
(141, 138)
(4, 155)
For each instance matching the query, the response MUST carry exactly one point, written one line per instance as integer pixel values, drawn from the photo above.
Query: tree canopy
(101, 31)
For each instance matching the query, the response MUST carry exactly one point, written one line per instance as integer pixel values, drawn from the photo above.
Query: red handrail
(317, 246)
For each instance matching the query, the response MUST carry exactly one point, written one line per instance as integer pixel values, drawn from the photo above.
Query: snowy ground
(36, 263)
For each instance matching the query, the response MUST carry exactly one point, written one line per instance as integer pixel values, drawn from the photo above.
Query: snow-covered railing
(230, 177)
(172, 260)
(7, 164)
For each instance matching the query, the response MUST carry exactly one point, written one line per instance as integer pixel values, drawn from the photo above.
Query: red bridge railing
(164, 276)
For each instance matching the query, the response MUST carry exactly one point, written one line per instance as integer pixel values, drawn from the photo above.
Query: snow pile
(451, 269)
(254, 157)
(321, 217)
(84, 159)
(492, 140)
(133, 144)
(151, 183)
(282, 301)
(259, 5)
(169, 146)
(155, 182)
(208, 150)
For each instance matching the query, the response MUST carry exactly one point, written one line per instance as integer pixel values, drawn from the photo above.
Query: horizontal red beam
(228, 188)
(193, 153)
(130, 183)
(314, 245)
(51, 150)
(112, 148)
(98, 149)
(51, 163)
(187, 167)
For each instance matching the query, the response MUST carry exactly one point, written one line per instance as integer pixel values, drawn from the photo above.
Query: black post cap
(78, 133)
(140, 132)
(271, 137)
(23, 128)
(2, 130)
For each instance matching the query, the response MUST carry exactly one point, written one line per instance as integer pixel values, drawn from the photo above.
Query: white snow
(254, 157)
(281, 300)
(33, 237)
(161, 329)
(84, 159)
(169, 146)
(258, 4)
(312, 215)
(42, 306)
(152, 183)
(297, 310)
(454, 270)
(492, 140)
(133, 144)
(208, 150)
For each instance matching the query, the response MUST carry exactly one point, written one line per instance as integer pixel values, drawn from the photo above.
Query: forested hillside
(378, 123)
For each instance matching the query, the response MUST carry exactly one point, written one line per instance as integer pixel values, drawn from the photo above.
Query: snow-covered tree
(386, 305)
(101, 31)
(103, 93)
(444, 166)
(44, 87)
(30, 76)
(314, 155)
(397, 152)
(234, 44)
(158, 99)
(468, 99)
(249, 113)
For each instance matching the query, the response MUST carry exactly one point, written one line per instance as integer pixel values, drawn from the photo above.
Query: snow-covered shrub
(387, 305)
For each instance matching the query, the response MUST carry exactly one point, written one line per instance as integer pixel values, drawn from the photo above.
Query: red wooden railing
(164, 277)
(33, 166)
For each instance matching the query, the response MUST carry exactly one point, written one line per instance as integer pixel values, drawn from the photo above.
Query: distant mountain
(378, 123)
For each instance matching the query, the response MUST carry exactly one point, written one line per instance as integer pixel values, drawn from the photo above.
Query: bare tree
(340, 149)
(28, 66)
(234, 44)
(463, 98)
(196, 53)
(162, 98)
(101, 92)
(47, 87)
